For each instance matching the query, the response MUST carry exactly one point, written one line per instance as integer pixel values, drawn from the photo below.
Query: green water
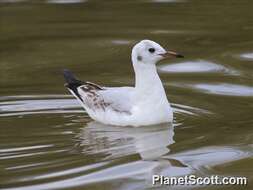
(48, 142)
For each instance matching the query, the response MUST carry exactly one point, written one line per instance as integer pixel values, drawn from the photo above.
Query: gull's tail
(72, 83)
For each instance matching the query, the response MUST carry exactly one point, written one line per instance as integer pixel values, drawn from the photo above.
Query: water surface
(47, 141)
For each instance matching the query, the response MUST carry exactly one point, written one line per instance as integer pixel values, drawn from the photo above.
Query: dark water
(48, 142)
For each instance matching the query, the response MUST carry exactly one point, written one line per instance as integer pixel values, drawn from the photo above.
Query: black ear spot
(139, 58)
(151, 50)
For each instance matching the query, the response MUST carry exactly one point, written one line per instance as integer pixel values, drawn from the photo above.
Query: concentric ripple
(54, 151)
(71, 151)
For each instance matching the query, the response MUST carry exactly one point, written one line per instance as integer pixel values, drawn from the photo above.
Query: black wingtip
(69, 77)
(71, 81)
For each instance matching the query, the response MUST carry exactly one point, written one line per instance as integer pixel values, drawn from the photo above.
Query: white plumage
(144, 104)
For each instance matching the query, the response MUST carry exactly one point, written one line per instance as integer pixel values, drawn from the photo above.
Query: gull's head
(150, 52)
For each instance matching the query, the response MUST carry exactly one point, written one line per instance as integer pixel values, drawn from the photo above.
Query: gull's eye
(151, 50)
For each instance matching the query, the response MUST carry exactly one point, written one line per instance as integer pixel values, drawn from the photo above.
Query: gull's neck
(147, 80)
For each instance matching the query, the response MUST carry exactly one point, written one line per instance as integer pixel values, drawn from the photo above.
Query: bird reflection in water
(150, 142)
(107, 143)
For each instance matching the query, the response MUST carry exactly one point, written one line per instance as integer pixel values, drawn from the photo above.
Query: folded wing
(97, 98)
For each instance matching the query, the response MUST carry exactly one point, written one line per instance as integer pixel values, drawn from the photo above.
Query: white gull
(144, 104)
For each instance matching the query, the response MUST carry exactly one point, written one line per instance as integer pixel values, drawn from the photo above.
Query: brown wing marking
(95, 86)
(94, 101)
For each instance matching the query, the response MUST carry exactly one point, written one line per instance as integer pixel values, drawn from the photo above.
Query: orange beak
(169, 54)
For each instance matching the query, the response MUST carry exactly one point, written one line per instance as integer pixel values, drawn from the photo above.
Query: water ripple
(211, 156)
(26, 105)
(66, 1)
(247, 56)
(200, 66)
(26, 148)
(221, 89)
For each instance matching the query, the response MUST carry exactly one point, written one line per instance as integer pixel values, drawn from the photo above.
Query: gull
(144, 104)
